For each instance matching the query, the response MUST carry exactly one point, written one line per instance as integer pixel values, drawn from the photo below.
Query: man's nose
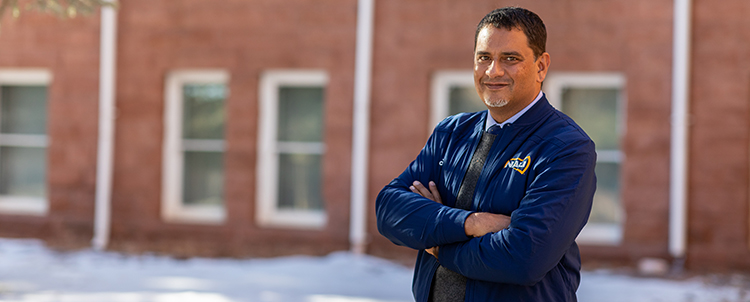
(495, 69)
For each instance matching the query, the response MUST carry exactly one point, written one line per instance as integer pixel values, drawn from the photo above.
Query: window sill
(196, 214)
(21, 205)
(600, 234)
(294, 219)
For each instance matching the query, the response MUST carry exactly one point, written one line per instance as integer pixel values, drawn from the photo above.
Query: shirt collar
(491, 121)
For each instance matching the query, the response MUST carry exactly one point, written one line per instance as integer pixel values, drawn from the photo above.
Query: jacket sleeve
(407, 218)
(543, 228)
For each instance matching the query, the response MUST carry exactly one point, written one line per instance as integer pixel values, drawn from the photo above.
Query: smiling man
(508, 189)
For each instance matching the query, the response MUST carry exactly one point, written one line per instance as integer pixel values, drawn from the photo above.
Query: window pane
(300, 182)
(301, 114)
(595, 110)
(606, 208)
(22, 171)
(24, 109)
(203, 111)
(203, 178)
(464, 99)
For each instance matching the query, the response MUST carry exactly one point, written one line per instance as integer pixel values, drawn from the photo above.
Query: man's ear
(542, 64)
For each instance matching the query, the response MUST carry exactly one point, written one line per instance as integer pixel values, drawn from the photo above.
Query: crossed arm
(476, 225)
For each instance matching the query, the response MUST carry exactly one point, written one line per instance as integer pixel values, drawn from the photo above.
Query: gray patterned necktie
(447, 285)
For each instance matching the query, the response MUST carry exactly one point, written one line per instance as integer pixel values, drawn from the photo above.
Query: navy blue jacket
(540, 172)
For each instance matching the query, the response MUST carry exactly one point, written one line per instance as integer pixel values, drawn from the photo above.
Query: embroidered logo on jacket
(519, 164)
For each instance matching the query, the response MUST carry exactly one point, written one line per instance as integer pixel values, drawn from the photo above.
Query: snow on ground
(31, 272)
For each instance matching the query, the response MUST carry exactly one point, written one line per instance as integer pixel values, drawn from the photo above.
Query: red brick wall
(69, 49)
(245, 38)
(720, 136)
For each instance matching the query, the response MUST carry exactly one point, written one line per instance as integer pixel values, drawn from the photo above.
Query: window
(193, 172)
(291, 149)
(453, 92)
(23, 141)
(596, 102)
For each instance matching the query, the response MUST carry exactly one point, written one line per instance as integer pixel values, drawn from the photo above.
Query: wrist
(469, 224)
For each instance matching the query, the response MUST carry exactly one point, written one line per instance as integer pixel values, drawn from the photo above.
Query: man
(499, 216)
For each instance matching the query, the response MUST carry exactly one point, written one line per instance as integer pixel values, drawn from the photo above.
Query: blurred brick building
(234, 122)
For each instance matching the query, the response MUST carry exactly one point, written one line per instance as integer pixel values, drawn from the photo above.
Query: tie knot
(494, 129)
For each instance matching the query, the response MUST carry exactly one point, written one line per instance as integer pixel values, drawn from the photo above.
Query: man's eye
(511, 59)
(484, 58)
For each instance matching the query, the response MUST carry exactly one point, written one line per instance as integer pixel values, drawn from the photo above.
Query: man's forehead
(488, 42)
(490, 29)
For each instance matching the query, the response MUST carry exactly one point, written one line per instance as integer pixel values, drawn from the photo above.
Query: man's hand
(431, 194)
(433, 251)
(476, 225)
(481, 223)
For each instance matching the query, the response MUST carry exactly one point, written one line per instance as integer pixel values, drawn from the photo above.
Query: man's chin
(495, 103)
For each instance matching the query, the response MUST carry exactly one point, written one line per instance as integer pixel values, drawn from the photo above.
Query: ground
(31, 272)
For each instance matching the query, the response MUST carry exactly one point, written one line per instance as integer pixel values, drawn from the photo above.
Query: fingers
(418, 187)
(435, 193)
(432, 193)
(482, 223)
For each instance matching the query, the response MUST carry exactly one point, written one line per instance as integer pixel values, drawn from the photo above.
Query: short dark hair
(513, 17)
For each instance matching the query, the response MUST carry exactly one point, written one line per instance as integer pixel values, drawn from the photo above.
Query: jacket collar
(532, 116)
(539, 111)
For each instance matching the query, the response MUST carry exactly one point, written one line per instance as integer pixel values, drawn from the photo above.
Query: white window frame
(554, 84)
(24, 205)
(442, 81)
(172, 207)
(268, 214)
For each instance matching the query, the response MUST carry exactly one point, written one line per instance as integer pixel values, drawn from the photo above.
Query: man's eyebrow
(511, 53)
(506, 53)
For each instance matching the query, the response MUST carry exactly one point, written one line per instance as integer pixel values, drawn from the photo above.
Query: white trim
(557, 81)
(268, 213)
(442, 81)
(25, 76)
(678, 166)
(554, 84)
(296, 219)
(361, 125)
(304, 147)
(198, 214)
(600, 234)
(24, 205)
(106, 139)
(172, 207)
(609, 156)
(23, 140)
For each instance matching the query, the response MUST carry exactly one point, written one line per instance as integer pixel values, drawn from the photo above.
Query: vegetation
(64, 9)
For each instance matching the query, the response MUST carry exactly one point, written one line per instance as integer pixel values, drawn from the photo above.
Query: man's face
(506, 75)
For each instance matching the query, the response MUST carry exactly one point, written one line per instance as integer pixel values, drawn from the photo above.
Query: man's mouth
(495, 86)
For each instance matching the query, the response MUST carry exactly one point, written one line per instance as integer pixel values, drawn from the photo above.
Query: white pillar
(104, 164)
(679, 146)
(361, 128)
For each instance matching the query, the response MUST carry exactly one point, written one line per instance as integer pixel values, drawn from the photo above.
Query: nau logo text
(519, 164)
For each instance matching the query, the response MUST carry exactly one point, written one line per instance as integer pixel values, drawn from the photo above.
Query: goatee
(495, 103)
